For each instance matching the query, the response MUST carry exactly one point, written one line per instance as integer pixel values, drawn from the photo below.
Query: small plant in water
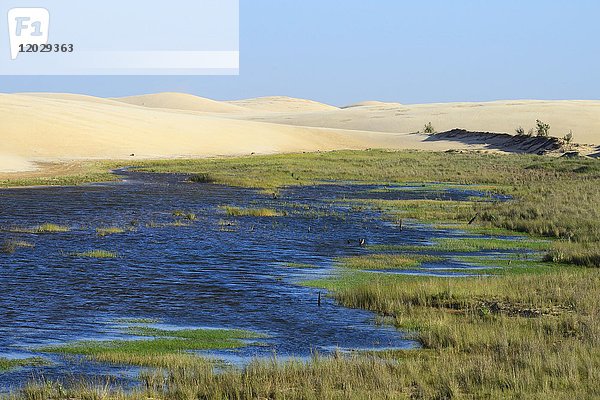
(251, 212)
(51, 228)
(201, 178)
(96, 254)
(109, 231)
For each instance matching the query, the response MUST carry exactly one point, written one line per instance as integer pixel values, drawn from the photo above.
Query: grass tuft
(109, 231)
(96, 254)
(51, 228)
(251, 212)
(7, 364)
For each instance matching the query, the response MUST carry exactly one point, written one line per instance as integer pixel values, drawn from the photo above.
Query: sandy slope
(181, 101)
(582, 117)
(65, 128)
(282, 104)
(49, 127)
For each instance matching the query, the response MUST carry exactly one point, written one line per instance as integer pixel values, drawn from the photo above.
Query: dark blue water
(219, 271)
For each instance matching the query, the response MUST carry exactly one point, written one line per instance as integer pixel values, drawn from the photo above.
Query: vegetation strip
(7, 364)
(161, 346)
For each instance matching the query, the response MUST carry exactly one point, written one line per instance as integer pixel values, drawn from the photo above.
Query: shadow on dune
(501, 141)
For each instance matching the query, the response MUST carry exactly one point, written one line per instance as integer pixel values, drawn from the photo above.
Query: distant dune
(181, 101)
(373, 103)
(62, 127)
(282, 104)
(581, 117)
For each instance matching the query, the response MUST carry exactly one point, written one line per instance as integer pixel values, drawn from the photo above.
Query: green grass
(386, 261)
(111, 230)
(161, 345)
(554, 197)
(511, 265)
(51, 228)
(96, 254)
(519, 335)
(530, 331)
(202, 178)
(85, 172)
(275, 171)
(40, 229)
(7, 364)
(432, 211)
(300, 265)
(251, 212)
(481, 244)
(479, 229)
(471, 245)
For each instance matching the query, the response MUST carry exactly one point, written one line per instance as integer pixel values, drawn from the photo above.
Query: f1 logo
(27, 26)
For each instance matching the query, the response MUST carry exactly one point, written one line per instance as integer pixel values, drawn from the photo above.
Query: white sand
(282, 104)
(60, 127)
(181, 101)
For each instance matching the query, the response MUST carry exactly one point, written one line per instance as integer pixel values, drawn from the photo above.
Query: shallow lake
(217, 271)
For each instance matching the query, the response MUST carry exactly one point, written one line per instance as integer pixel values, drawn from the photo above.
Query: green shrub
(542, 129)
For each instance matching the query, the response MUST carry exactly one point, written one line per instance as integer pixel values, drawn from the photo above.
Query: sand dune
(181, 101)
(373, 103)
(36, 128)
(282, 104)
(582, 117)
(51, 127)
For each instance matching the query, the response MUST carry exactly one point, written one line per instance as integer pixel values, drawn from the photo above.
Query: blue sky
(342, 52)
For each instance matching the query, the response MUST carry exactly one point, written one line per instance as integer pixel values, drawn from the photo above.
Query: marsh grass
(553, 197)
(471, 245)
(509, 265)
(251, 212)
(100, 254)
(162, 348)
(202, 178)
(521, 334)
(51, 228)
(40, 229)
(300, 265)
(386, 261)
(424, 210)
(584, 254)
(482, 244)
(59, 175)
(480, 229)
(11, 363)
(178, 223)
(530, 333)
(111, 230)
